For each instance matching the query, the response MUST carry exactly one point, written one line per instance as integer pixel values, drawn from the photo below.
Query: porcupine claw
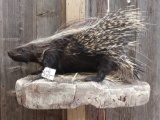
(93, 78)
(39, 76)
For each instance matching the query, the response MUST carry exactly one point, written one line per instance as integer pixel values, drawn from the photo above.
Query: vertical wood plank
(95, 8)
(1, 50)
(11, 9)
(27, 30)
(143, 112)
(18, 28)
(1, 19)
(9, 74)
(76, 114)
(98, 8)
(150, 41)
(121, 113)
(62, 12)
(50, 16)
(64, 115)
(10, 27)
(49, 115)
(75, 10)
(93, 113)
(28, 21)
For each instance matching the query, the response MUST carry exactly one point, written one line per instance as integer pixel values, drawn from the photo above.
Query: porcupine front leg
(50, 59)
(105, 66)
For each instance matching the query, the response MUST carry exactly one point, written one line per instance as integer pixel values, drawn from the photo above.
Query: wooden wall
(24, 20)
(150, 41)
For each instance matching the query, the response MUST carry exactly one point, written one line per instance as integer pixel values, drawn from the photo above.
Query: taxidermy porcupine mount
(96, 45)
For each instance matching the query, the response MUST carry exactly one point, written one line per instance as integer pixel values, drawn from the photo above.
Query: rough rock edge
(63, 93)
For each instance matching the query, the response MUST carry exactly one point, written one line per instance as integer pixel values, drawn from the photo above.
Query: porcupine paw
(93, 78)
(39, 76)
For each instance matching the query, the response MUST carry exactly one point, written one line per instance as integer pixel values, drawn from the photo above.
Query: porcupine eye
(22, 50)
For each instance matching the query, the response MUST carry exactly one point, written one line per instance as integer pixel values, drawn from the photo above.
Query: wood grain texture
(50, 16)
(27, 30)
(1, 19)
(96, 8)
(11, 16)
(1, 48)
(120, 113)
(19, 24)
(76, 114)
(9, 105)
(49, 115)
(18, 28)
(150, 41)
(63, 12)
(93, 113)
(75, 10)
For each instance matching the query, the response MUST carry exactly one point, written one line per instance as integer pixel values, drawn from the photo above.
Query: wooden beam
(1, 49)
(120, 113)
(76, 114)
(50, 16)
(95, 8)
(75, 10)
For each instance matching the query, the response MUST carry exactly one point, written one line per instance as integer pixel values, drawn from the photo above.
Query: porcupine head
(27, 53)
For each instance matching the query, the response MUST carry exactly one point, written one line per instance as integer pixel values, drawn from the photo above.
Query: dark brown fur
(59, 57)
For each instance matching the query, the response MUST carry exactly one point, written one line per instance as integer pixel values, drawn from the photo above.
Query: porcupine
(100, 45)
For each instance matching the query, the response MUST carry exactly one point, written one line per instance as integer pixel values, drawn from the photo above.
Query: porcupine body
(100, 46)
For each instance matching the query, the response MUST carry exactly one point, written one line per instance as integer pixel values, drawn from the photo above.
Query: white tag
(128, 1)
(48, 73)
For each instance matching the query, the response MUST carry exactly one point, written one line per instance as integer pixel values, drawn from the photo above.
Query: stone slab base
(64, 93)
